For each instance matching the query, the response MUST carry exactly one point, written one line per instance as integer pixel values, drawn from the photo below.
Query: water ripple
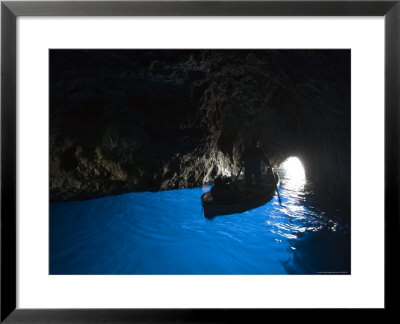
(166, 233)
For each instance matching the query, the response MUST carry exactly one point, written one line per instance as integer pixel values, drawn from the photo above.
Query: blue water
(166, 233)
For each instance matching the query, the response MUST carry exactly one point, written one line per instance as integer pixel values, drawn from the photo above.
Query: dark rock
(134, 120)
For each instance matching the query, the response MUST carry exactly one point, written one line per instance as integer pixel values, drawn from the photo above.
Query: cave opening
(293, 172)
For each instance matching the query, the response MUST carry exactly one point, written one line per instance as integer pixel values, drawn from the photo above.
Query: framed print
(180, 160)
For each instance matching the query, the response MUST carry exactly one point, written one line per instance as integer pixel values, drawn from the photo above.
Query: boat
(237, 196)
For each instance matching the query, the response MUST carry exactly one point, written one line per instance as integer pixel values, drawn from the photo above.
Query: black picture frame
(10, 10)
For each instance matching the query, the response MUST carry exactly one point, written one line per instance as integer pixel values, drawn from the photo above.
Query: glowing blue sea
(166, 233)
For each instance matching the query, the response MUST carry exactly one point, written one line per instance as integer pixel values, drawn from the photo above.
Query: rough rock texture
(137, 120)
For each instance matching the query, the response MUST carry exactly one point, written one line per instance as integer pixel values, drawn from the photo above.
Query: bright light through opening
(294, 174)
(293, 168)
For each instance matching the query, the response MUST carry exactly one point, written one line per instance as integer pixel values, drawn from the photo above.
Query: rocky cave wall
(124, 121)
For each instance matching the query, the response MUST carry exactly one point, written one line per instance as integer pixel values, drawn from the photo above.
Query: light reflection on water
(166, 233)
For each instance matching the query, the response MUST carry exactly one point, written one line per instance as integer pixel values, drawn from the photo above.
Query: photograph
(199, 161)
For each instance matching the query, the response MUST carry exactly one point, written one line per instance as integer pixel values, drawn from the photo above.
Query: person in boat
(223, 190)
(252, 158)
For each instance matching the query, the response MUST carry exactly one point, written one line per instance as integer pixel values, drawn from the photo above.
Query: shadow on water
(166, 233)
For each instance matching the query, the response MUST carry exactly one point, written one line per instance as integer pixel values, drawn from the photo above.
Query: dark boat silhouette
(237, 197)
